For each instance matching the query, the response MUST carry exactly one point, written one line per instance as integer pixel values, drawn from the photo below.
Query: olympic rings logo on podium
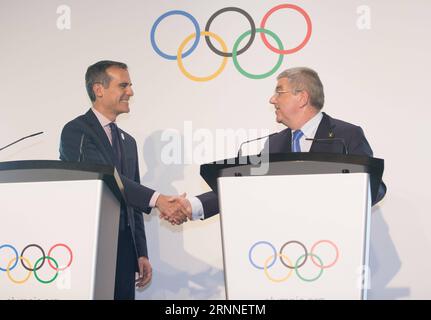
(26, 263)
(235, 50)
(295, 265)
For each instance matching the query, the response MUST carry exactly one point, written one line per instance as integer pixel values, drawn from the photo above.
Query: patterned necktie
(116, 146)
(296, 147)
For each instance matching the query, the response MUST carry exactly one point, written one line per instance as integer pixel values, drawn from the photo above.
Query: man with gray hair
(298, 100)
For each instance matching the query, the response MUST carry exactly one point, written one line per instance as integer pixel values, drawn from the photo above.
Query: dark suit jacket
(353, 137)
(97, 149)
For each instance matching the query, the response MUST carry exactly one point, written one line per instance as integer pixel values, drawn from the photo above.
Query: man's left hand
(145, 272)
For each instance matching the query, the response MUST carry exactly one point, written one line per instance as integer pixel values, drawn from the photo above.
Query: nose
(130, 91)
(273, 98)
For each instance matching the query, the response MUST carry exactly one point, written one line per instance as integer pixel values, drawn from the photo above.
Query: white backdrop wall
(372, 57)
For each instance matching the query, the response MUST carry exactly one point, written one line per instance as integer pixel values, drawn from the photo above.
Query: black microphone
(81, 153)
(341, 140)
(240, 146)
(32, 135)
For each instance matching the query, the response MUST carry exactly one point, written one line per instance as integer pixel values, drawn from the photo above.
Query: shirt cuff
(197, 208)
(154, 199)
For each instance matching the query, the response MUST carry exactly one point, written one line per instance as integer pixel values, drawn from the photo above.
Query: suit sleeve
(137, 195)
(140, 237)
(360, 146)
(69, 142)
(210, 203)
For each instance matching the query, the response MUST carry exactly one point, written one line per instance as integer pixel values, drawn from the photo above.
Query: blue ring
(273, 249)
(171, 13)
(16, 253)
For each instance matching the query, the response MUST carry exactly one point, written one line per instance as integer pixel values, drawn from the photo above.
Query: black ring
(250, 41)
(22, 255)
(297, 242)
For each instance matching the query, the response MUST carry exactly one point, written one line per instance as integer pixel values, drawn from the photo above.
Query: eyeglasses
(279, 93)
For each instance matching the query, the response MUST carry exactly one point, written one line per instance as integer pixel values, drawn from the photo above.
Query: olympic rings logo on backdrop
(294, 265)
(235, 50)
(26, 263)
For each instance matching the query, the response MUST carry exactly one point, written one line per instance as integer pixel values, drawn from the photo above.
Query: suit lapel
(324, 131)
(101, 137)
(122, 142)
(281, 142)
(288, 141)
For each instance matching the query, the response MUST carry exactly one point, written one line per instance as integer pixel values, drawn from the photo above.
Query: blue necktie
(296, 147)
(116, 146)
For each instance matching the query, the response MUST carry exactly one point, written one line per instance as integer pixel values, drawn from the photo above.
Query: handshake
(175, 209)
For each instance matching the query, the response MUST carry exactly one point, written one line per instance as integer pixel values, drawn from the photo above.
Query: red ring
(68, 249)
(302, 44)
(337, 253)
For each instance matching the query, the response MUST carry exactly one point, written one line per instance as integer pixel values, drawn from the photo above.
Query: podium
(296, 226)
(58, 230)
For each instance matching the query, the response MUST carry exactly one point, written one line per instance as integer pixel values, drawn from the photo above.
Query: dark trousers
(126, 266)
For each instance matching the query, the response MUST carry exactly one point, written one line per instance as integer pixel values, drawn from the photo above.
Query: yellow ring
(180, 59)
(265, 267)
(8, 270)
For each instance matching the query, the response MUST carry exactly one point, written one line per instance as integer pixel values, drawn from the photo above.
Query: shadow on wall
(176, 274)
(385, 262)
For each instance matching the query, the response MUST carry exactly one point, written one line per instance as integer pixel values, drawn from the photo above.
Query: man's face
(287, 103)
(115, 98)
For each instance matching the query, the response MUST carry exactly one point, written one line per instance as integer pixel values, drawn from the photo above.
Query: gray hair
(306, 79)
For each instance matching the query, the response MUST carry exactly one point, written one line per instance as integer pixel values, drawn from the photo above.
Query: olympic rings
(266, 268)
(257, 76)
(56, 273)
(16, 254)
(171, 13)
(256, 244)
(70, 253)
(9, 268)
(235, 51)
(284, 246)
(25, 262)
(252, 32)
(299, 262)
(180, 60)
(307, 37)
(337, 253)
(43, 256)
(297, 267)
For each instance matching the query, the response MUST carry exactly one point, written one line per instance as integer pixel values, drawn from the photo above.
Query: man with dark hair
(109, 88)
(298, 100)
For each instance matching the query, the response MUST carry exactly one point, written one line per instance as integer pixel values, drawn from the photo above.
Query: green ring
(35, 273)
(263, 75)
(305, 279)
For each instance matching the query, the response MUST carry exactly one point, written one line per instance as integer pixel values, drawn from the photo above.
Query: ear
(304, 98)
(98, 90)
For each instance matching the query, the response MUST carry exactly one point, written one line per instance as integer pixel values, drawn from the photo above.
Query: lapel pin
(122, 136)
(331, 134)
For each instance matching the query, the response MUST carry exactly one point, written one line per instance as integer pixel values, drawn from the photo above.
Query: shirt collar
(310, 127)
(102, 119)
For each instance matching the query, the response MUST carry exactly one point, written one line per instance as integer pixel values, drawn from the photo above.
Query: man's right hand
(175, 209)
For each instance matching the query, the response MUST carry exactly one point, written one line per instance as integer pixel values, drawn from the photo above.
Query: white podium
(58, 230)
(299, 230)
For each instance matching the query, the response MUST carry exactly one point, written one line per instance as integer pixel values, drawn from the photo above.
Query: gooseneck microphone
(256, 139)
(81, 145)
(340, 140)
(32, 135)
